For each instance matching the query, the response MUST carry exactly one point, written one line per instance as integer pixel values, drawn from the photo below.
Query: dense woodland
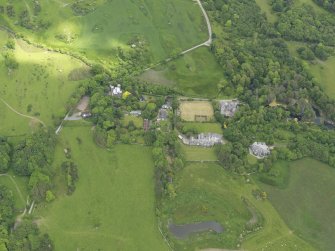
(259, 69)
(256, 61)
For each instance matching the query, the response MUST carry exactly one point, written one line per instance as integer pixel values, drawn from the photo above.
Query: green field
(196, 73)
(208, 192)
(165, 27)
(40, 87)
(194, 153)
(113, 205)
(307, 204)
(324, 73)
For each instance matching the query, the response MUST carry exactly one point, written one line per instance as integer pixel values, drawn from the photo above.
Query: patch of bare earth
(83, 103)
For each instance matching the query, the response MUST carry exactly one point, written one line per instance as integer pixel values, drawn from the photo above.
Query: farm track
(22, 115)
(206, 43)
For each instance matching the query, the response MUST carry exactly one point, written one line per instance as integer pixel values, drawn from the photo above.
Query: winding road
(209, 28)
(22, 115)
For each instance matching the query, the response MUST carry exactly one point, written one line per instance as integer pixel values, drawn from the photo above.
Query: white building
(259, 149)
(116, 90)
(203, 139)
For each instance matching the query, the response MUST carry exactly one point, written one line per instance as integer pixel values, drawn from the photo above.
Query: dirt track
(22, 115)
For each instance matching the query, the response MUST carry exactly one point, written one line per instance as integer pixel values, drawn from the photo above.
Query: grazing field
(205, 191)
(196, 111)
(112, 207)
(196, 74)
(40, 87)
(193, 153)
(307, 204)
(203, 127)
(100, 28)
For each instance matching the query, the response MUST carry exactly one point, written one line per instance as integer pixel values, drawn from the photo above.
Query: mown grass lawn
(307, 204)
(194, 153)
(204, 127)
(40, 87)
(113, 205)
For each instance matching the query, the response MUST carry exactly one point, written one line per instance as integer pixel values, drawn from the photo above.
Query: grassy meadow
(166, 27)
(307, 203)
(205, 191)
(40, 87)
(196, 74)
(112, 207)
(324, 73)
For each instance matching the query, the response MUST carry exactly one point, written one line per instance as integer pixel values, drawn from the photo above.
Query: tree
(4, 156)
(39, 184)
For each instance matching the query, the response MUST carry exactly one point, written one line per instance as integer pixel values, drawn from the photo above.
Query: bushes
(4, 155)
(10, 61)
(71, 175)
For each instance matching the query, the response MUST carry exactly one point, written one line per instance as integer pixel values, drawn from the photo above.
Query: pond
(183, 231)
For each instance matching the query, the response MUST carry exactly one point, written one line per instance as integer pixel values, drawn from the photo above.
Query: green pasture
(165, 27)
(205, 191)
(40, 88)
(194, 153)
(307, 204)
(196, 74)
(113, 205)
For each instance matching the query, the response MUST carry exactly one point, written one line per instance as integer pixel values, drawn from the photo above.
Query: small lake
(183, 231)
